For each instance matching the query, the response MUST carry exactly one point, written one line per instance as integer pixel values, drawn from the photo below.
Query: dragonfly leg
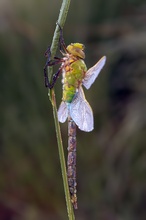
(55, 76)
(56, 60)
(62, 45)
(50, 62)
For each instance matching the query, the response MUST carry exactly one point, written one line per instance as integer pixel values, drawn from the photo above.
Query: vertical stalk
(61, 20)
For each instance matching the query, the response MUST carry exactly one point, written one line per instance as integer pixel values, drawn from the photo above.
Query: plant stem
(61, 20)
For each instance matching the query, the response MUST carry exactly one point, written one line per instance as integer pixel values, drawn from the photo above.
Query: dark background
(111, 160)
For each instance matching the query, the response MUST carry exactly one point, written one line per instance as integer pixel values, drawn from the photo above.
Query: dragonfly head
(76, 49)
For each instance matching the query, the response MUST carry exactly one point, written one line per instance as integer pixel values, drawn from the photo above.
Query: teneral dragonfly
(74, 105)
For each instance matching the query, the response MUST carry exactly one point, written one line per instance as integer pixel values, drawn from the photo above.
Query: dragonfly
(74, 105)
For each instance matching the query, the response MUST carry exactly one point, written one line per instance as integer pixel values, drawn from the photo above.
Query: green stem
(61, 20)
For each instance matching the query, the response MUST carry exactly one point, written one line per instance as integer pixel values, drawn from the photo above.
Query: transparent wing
(93, 72)
(81, 112)
(62, 112)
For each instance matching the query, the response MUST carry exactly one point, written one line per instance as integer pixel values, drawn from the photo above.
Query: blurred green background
(111, 160)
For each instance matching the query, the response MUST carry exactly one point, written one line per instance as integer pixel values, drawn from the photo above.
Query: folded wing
(93, 72)
(81, 112)
(63, 112)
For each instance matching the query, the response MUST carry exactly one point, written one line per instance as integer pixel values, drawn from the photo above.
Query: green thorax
(74, 70)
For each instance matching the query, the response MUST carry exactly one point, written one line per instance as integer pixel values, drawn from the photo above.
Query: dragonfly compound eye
(76, 49)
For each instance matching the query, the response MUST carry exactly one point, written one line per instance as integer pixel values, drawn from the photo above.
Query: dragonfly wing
(93, 72)
(81, 112)
(62, 112)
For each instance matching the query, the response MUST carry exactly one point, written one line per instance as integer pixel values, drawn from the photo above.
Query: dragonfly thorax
(73, 73)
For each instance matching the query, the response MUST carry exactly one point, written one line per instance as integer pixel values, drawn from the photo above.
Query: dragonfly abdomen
(71, 162)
